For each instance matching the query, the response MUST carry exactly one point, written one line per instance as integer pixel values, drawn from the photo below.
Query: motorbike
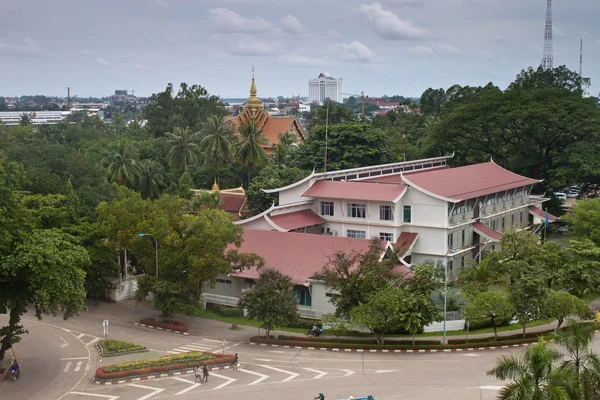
(315, 332)
(15, 375)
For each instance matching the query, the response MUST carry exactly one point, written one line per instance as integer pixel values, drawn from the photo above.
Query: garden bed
(110, 347)
(165, 324)
(369, 341)
(333, 344)
(161, 365)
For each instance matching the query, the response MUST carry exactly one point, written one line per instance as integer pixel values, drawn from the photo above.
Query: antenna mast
(581, 59)
(68, 99)
(548, 58)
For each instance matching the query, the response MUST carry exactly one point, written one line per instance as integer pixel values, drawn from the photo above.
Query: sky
(382, 47)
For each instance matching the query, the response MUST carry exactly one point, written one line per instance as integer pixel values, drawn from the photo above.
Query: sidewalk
(128, 312)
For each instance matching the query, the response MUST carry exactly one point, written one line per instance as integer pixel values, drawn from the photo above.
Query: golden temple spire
(253, 103)
(215, 187)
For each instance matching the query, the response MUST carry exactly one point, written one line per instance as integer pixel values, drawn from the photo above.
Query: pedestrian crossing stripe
(196, 346)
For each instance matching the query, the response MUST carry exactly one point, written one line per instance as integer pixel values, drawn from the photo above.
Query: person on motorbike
(320, 396)
(14, 368)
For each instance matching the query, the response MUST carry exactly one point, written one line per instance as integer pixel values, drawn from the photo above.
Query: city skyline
(386, 47)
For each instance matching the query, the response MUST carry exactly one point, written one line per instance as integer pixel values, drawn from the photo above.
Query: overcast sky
(385, 47)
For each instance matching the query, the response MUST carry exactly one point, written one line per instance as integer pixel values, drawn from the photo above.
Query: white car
(572, 194)
(561, 196)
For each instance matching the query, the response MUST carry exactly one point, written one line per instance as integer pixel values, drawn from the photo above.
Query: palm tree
(284, 150)
(478, 277)
(184, 151)
(250, 151)
(48, 134)
(219, 138)
(151, 182)
(123, 169)
(534, 375)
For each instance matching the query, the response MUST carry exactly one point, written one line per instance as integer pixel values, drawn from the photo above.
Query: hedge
(165, 324)
(386, 346)
(354, 341)
(162, 365)
(226, 311)
(516, 336)
(111, 346)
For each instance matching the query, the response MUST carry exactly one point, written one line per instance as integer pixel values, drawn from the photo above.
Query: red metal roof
(468, 182)
(297, 219)
(297, 255)
(486, 231)
(405, 242)
(538, 212)
(366, 191)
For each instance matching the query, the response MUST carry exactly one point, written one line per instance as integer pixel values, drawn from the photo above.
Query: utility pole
(581, 59)
(326, 127)
(68, 99)
(362, 95)
(548, 58)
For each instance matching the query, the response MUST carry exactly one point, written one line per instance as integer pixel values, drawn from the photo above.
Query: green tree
(271, 301)
(151, 182)
(584, 218)
(218, 140)
(534, 375)
(480, 277)
(250, 152)
(330, 113)
(558, 78)
(432, 101)
(580, 271)
(334, 324)
(493, 306)
(382, 313)
(45, 272)
(25, 119)
(271, 177)
(283, 152)
(560, 305)
(123, 169)
(528, 295)
(185, 185)
(348, 146)
(184, 152)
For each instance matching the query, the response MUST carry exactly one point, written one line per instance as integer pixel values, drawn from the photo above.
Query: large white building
(12, 118)
(325, 87)
(422, 209)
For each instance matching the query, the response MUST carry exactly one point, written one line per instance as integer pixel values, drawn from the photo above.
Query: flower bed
(367, 346)
(116, 347)
(316, 341)
(165, 324)
(163, 364)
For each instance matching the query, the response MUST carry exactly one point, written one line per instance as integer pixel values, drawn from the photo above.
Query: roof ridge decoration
(427, 192)
(301, 181)
(257, 216)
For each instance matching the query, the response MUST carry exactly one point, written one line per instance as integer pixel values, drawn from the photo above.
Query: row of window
(358, 210)
(351, 233)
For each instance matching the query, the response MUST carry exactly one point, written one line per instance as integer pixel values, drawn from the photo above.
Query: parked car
(560, 195)
(572, 194)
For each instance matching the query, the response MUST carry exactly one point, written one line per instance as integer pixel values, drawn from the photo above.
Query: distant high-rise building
(325, 87)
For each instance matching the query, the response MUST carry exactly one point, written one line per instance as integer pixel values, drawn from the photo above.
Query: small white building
(424, 209)
(325, 87)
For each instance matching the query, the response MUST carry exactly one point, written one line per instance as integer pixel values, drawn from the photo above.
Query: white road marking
(289, 378)
(65, 343)
(212, 340)
(88, 366)
(491, 387)
(78, 366)
(316, 371)
(67, 366)
(385, 371)
(275, 351)
(184, 391)
(74, 358)
(263, 359)
(80, 335)
(348, 372)
(156, 390)
(233, 345)
(222, 385)
(471, 355)
(104, 396)
(92, 342)
(259, 380)
(182, 380)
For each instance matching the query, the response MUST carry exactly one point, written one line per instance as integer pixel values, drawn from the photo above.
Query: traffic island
(160, 367)
(164, 325)
(112, 348)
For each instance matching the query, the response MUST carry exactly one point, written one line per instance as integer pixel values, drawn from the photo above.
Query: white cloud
(354, 51)
(389, 25)
(446, 49)
(230, 21)
(99, 60)
(500, 38)
(556, 31)
(147, 36)
(486, 54)
(295, 60)
(334, 33)
(293, 25)
(253, 48)
(422, 51)
(162, 3)
(23, 46)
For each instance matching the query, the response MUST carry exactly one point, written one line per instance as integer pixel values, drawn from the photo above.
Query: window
(407, 214)
(356, 234)
(463, 238)
(502, 224)
(357, 210)
(388, 237)
(462, 262)
(450, 266)
(386, 213)
(451, 241)
(327, 208)
(521, 218)
(227, 281)
(512, 221)
(302, 296)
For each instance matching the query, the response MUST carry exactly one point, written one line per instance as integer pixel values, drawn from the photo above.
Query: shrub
(161, 365)
(318, 341)
(165, 324)
(111, 346)
(225, 311)
(305, 323)
(486, 323)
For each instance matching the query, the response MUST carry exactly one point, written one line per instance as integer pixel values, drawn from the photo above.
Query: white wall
(294, 195)
(260, 224)
(426, 210)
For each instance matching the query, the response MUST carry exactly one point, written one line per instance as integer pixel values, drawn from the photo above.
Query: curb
(458, 350)
(161, 329)
(148, 377)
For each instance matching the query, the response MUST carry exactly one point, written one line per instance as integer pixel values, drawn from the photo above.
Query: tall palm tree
(151, 182)
(218, 137)
(534, 375)
(284, 150)
(250, 151)
(184, 151)
(123, 169)
(478, 277)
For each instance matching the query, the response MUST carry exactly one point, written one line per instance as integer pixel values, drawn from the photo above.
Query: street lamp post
(445, 294)
(156, 278)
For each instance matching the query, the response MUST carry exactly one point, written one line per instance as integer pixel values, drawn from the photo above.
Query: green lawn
(242, 321)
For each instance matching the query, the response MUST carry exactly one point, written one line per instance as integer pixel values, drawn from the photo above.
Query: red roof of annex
(364, 191)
